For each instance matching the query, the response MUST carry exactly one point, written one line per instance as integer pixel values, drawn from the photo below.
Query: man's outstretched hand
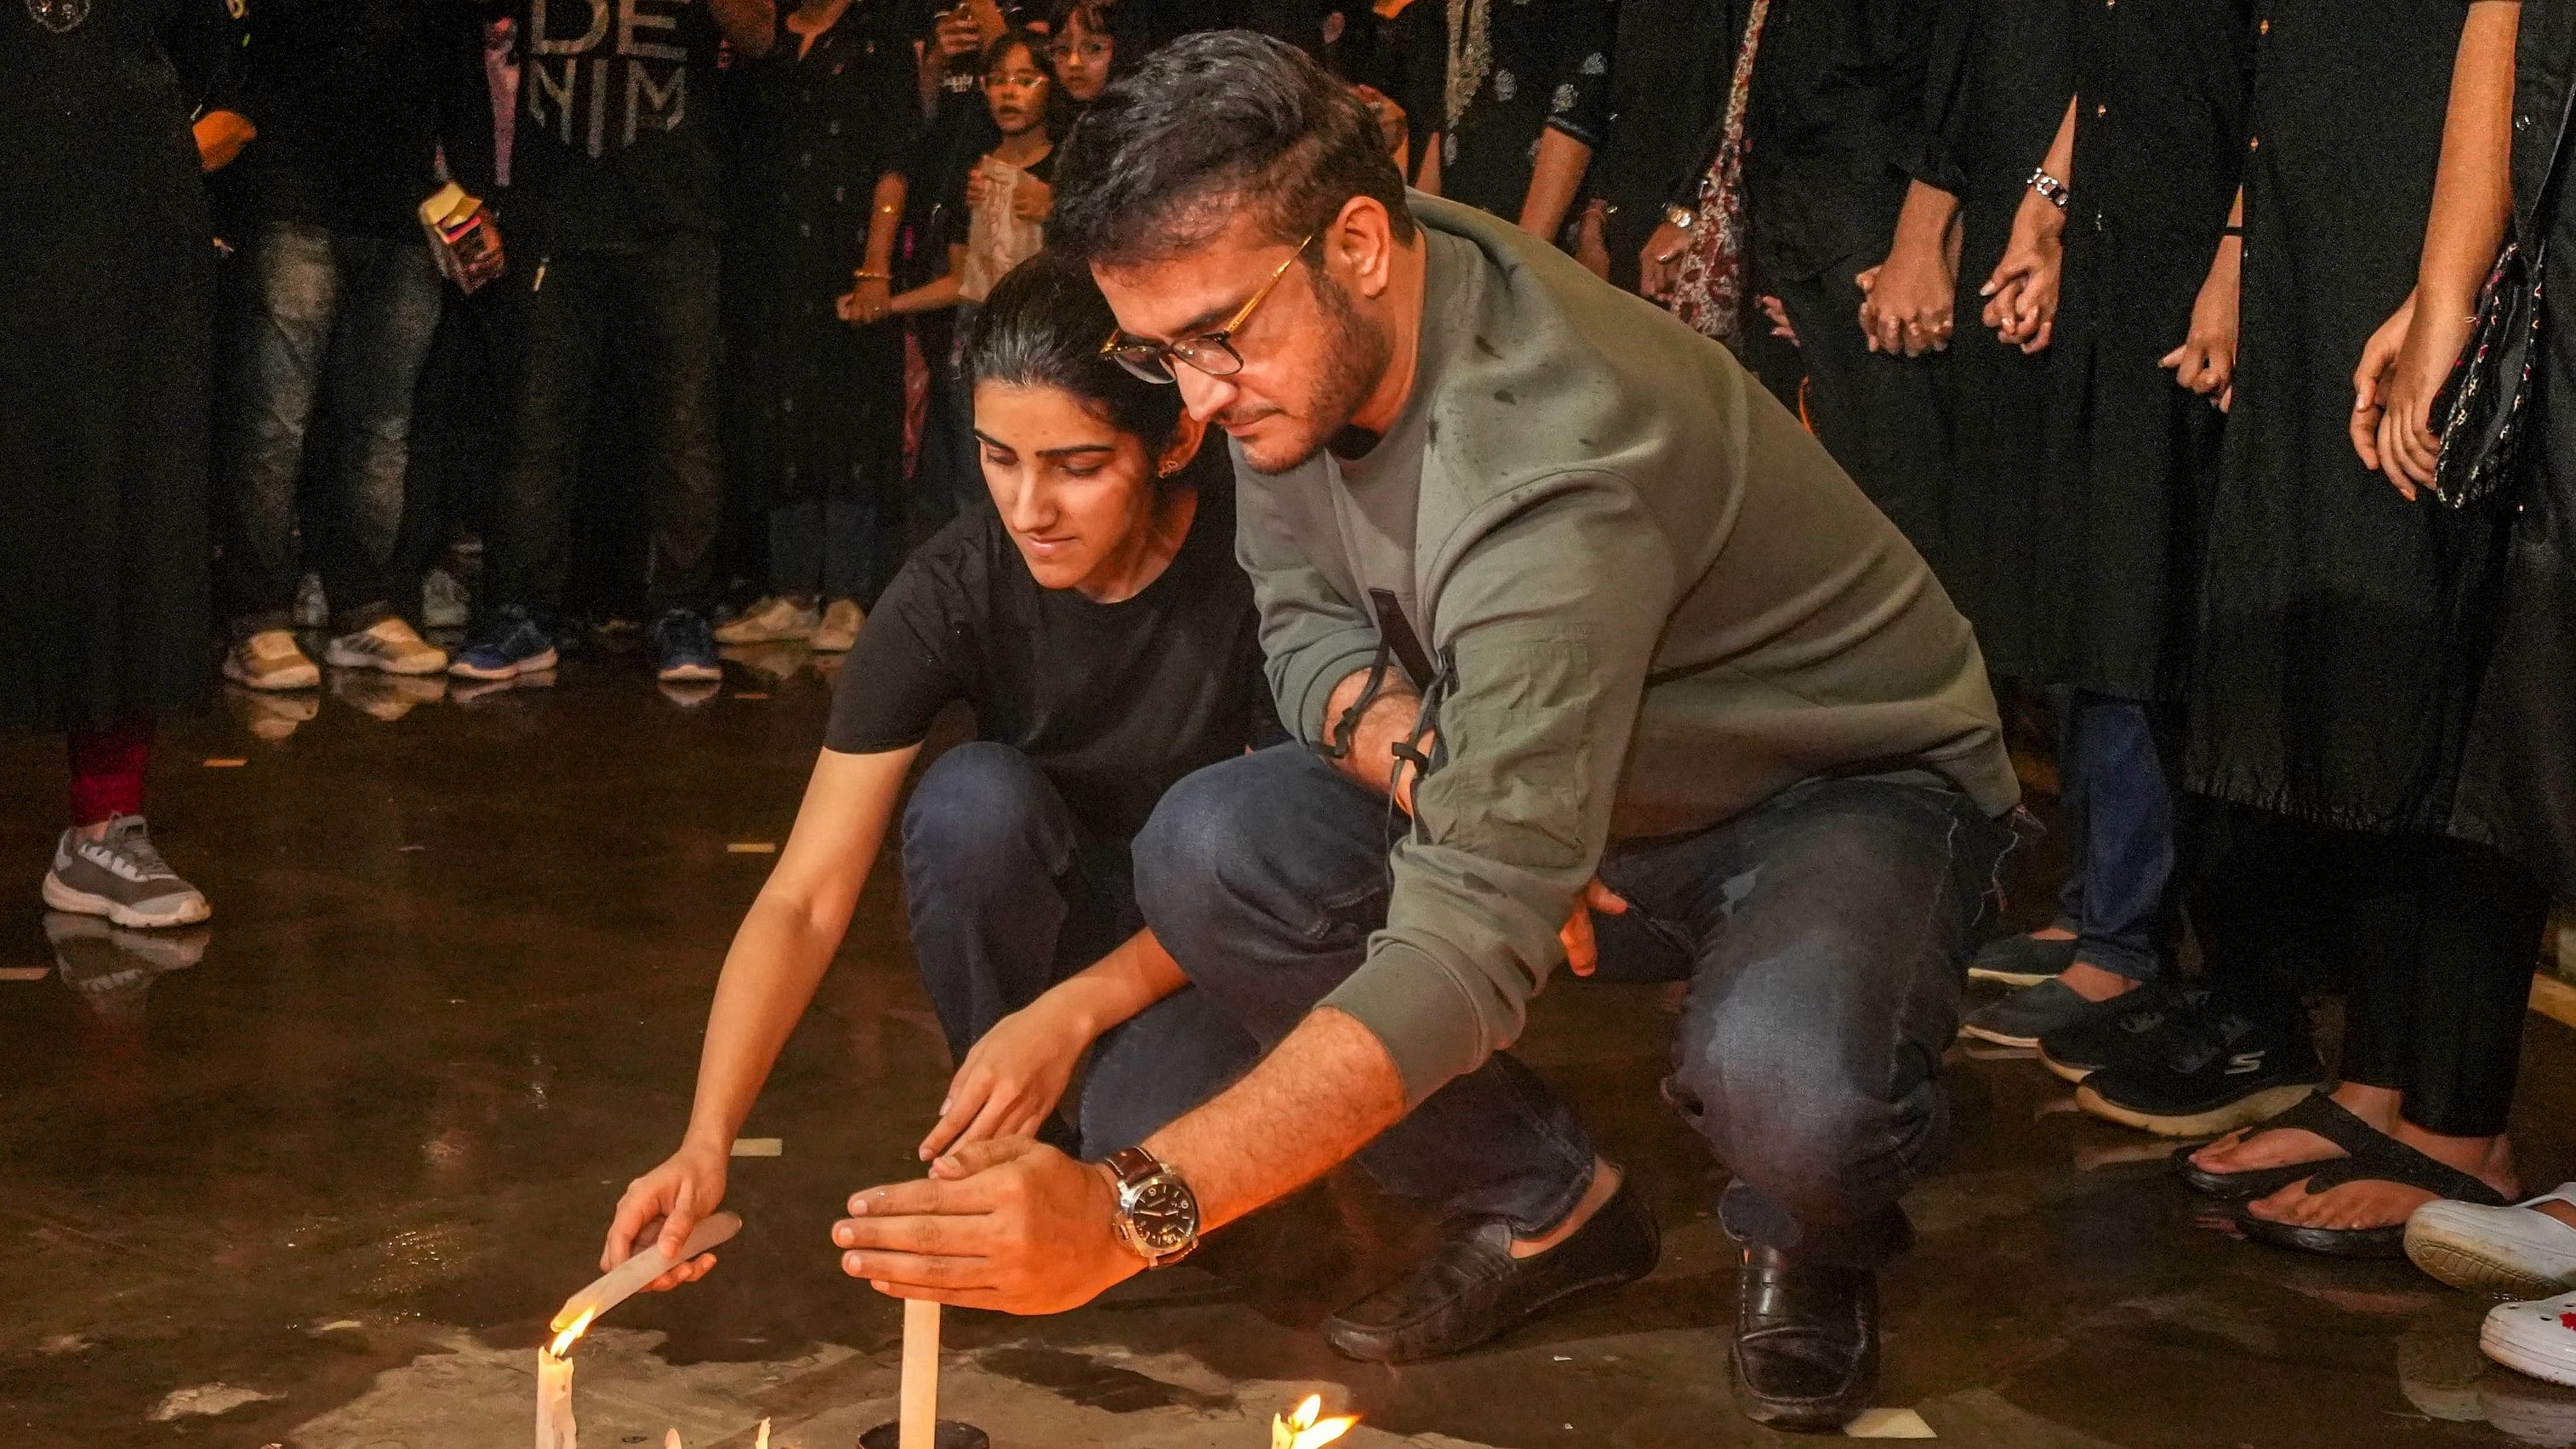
(1011, 1225)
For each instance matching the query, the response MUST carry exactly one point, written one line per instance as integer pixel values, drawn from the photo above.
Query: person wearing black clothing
(1097, 624)
(1838, 144)
(614, 213)
(333, 294)
(1671, 62)
(2346, 637)
(823, 131)
(946, 478)
(1512, 103)
(104, 383)
(2085, 581)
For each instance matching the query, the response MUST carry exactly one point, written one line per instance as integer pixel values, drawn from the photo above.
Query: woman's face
(1081, 61)
(1076, 493)
(1016, 90)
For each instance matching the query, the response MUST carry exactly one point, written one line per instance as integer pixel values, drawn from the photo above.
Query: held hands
(2206, 361)
(2021, 296)
(1905, 303)
(1582, 954)
(868, 301)
(1011, 1225)
(1011, 1079)
(2411, 356)
(663, 1205)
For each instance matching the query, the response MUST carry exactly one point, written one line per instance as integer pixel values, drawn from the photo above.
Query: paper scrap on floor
(758, 1146)
(1889, 1424)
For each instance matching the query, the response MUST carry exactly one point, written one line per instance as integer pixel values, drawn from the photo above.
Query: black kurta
(2002, 72)
(1547, 66)
(2343, 629)
(2100, 551)
(103, 369)
(809, 137)
(2518, 782)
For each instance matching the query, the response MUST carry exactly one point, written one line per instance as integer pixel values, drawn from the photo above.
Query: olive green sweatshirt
(1648, 598)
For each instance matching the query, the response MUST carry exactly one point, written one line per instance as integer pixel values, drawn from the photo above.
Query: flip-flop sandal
(2389, 1160)
(2318, 1113)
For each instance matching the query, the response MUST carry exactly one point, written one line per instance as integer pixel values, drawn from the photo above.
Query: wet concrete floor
(315, 1175)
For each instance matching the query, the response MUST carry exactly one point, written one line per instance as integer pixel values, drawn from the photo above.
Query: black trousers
(649, 318)
(2436, 938)
(1885, 418)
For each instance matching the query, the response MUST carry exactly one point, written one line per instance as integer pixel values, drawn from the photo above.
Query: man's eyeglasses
(1210, 352)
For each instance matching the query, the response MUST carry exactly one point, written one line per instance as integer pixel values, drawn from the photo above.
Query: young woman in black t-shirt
(1097, 624)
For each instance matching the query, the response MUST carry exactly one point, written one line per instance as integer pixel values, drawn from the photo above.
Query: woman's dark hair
(1096, 16)
(1057, 119)
(1214, 125)
(1043, 326)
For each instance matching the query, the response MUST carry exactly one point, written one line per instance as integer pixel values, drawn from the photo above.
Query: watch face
(1163, 1216)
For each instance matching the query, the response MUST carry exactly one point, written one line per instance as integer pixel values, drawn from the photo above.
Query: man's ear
(1187, 434)
(1359, 244)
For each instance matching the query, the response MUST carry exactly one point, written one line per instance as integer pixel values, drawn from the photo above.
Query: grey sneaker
(391, 646)
(120, 876)
(2023, 1017)
(443, 602)
(271, 659)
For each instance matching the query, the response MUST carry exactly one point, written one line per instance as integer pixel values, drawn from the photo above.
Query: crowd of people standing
(2135, 320)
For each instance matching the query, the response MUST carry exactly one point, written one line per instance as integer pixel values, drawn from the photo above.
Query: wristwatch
(1158, 1215)
(1681, 216)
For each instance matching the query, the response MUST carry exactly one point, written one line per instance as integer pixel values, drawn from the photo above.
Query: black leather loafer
(1805, 1355)
(1474, 1290)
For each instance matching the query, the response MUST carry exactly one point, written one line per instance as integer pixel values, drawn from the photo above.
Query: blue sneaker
(684, 652)
(511, 643)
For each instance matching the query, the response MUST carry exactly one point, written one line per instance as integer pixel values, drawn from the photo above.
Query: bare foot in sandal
(2375, 1203)
(2252, 1149)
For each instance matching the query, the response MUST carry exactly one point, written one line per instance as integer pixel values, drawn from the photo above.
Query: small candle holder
(949, 1435)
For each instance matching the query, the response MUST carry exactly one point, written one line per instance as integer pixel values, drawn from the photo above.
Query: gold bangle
(866, 276)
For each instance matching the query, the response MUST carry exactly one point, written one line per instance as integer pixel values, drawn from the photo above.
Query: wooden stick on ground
(919, 1416)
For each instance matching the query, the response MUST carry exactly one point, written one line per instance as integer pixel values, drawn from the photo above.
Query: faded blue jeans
(1822, 935)
(318, 314)
(1009, 894)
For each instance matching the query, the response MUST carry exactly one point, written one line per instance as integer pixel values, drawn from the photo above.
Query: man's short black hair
(1212, 125)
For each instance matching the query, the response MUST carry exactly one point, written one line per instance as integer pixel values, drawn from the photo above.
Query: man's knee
(1247, 845)
(1828, 1126)
(981, 814)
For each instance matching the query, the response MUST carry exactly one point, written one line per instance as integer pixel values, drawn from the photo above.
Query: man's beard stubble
(1357, 350)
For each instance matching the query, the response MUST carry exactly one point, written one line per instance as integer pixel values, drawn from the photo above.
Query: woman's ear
(1187, 434)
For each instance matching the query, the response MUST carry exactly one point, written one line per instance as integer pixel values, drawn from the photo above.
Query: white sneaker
(390, 645)
(840, 627)
(2517, 1252)
(443, 604)
(270, 659)
(2537, 1338)
(769, 621)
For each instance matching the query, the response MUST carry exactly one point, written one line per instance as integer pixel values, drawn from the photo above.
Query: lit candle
(554, 1390)
(1303, 1429)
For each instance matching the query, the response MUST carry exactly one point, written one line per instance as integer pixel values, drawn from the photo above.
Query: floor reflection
(112, 969)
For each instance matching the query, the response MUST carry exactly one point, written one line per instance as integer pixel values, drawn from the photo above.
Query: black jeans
(316, 314)
(1821, 934)
(2117, 806)
(650, 317)
(1885, 417)
(1009, 894)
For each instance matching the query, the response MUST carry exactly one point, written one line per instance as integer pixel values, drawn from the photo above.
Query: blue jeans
(316, 310)
(2119, 811)
(1010, 894)
(1821, 935)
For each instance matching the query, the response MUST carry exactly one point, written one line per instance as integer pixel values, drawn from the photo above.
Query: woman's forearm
(2060, 160)
(1135, 975)
(1923, 221)
(792, 931)
(1554, 178)
(885, 221)
(2473, 191)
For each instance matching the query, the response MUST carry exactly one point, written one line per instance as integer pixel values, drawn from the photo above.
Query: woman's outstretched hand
(1011, 1079)
(661, 1207)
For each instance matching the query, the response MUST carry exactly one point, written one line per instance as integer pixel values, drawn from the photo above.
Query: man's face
(1311, 351)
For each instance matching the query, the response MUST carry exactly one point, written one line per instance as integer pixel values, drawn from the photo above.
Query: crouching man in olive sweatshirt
(1566, 616)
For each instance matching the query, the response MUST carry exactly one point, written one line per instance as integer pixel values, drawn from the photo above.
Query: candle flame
(564, 1340)
(1304, 1430)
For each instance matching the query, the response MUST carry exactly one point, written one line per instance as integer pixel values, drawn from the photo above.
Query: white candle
(554, 1390)
(554, 1402)
(919, 1414)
